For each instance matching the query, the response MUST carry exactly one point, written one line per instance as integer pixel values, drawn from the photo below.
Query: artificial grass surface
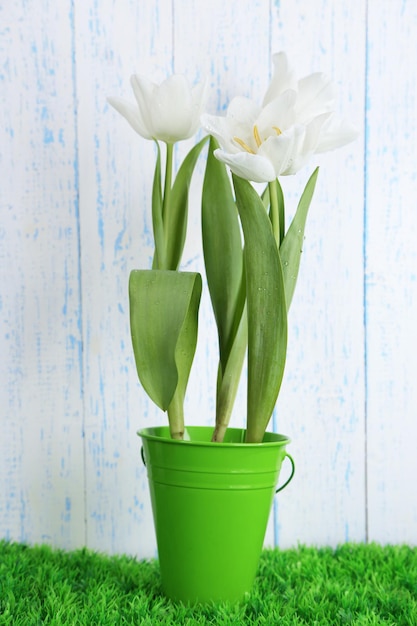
(354, 584)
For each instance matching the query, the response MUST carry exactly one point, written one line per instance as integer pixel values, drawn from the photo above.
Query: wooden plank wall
(75, 219)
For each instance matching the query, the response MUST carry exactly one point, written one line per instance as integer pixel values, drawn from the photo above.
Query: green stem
(157, 221)
(176, 416)
(273, 198)
(168, 179)
(160, 258)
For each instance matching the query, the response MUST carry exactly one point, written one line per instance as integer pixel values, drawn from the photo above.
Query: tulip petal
(279, 151)
(278, 115)
(241, 118)
(316, 95)
(219, 127)
(243, 111)
(304, 143)
(313, 132)
(282, 80)
(335, 134)
(172, 109)
(131, 114)
(252, 167)
(299, 155)
(143, 90)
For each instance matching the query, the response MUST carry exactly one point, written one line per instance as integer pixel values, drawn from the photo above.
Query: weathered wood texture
(391, 271)
(75, 219)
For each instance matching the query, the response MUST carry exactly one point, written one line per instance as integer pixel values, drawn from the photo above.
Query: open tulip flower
(295, 121)
(251, 281)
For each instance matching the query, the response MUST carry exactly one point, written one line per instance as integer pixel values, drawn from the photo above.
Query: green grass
(354, 584)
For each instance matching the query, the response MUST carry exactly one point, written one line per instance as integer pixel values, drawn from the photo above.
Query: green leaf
(175, 221)
(265, 197)
(163, 320)
(292, 244)
(228, 379)
(266, 310)
(223, 256)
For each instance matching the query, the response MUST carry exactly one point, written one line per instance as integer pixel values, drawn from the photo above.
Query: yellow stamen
(243, 145)
(257, 136)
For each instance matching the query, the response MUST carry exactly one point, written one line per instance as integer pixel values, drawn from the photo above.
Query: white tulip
(296, 120)
(168, 112)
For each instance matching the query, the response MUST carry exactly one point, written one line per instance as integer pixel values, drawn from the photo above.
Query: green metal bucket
(211, 503)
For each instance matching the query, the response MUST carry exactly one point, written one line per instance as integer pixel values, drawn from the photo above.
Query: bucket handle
(287, 482)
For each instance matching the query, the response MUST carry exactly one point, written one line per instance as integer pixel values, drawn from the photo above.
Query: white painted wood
(116, 170)
(391, 271)
(41, 443)
(322, 398)
(75, 219)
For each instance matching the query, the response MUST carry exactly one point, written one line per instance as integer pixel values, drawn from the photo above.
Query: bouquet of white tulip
(251, 283)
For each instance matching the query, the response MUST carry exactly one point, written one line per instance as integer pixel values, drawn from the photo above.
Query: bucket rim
(150, 433)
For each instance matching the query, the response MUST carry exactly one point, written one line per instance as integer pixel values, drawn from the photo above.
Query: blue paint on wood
(348, 474)
(48, 136)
